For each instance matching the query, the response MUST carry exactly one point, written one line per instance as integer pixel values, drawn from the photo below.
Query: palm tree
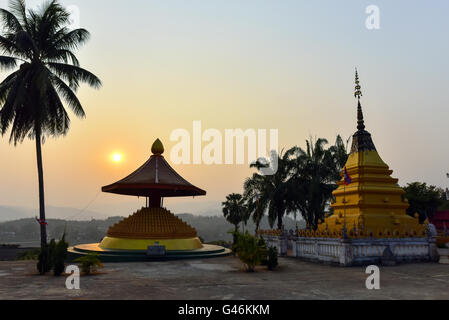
(318, 169)
(235, 210)
(39, 47)
(273, 193)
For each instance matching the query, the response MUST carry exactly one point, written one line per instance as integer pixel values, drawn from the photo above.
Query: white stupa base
(349, 252)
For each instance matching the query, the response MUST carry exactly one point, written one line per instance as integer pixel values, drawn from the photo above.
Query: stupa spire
(358, 89)
(358, 94)
(362, 139)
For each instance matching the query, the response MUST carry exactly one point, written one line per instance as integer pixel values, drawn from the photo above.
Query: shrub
(32, 254)
(248, 250)
(89, 263)
(51, 253)
(53, 257)
(44, 261)
(263, 247)
(60, 254)
(272, 258)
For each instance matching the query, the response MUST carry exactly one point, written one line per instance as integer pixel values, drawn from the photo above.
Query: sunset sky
(286, 65)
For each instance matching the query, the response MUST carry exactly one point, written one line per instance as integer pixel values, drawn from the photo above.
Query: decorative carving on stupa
(373, 204)
(152, 223)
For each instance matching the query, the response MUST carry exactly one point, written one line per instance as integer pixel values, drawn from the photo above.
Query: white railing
(355, 251)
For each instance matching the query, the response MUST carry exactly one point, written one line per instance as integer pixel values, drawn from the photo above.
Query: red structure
(441, 221)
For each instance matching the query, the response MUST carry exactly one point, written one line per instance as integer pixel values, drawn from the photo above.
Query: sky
(286, 65)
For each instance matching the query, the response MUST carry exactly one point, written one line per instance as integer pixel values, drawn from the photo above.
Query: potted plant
(443, 252)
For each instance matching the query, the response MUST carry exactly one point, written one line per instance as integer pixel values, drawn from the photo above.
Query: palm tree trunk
(40, 173)
(280, 214)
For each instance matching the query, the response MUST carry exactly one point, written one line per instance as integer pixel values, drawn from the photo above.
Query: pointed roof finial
(358, 89)
(361, 140)
(358, 94)
(158, 148)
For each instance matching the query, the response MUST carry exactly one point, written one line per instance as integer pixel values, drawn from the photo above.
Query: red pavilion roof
(155, 176)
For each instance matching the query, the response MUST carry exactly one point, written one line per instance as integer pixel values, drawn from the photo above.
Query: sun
(117, 157)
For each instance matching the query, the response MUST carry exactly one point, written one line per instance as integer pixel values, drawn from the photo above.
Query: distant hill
(217, 228)
(26, 231)
(15, 213)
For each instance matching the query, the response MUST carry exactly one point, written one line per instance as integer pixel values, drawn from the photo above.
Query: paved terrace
(223, 278)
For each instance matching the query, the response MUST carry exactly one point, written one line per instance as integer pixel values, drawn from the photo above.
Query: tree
(318, 169)
(249, 250)
(59, 256)
(274, 193)
(235, 210)
(39, 46)
(423, 199)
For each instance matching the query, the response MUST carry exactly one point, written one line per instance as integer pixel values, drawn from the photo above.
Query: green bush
(248, 250)
(89, 263)
(263, 246)
(51, 253)
(44, 260)
(32, 254)
(60, 254)
(272, 258)
(53, 257)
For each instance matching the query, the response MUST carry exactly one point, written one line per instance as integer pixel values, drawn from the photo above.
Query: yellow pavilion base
(143, 244)
(150, 227)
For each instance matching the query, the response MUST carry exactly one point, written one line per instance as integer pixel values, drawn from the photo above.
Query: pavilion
(153, 232)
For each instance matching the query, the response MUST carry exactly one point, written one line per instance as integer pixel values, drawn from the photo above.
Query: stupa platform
(115, 255)
(355, 251)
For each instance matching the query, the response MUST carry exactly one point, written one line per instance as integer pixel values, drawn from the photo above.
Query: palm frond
(62, 55)
(69, 96)
(10, 22)
(7, 62)
(72, 40)
(18, 9)
(74, 75)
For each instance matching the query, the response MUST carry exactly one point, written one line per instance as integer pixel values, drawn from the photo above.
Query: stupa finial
(158, 148)
(358, 94)
(358, 89)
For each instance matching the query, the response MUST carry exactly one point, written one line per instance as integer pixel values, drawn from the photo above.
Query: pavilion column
(154, 200)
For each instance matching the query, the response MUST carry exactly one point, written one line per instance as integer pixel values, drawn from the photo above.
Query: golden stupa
(372, 204)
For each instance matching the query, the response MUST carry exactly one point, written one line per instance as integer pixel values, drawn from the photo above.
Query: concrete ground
(223, 278)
